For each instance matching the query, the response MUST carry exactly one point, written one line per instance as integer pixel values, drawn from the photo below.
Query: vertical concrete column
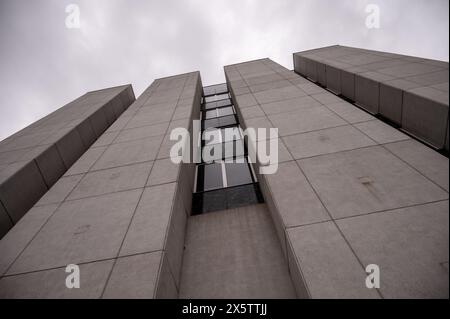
(32, 160)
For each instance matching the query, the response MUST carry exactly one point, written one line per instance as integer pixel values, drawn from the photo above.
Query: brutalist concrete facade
(119, 212)
(408, 91)
(33, 159)
(350, 190)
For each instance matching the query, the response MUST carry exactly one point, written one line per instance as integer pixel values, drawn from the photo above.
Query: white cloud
(44, 65)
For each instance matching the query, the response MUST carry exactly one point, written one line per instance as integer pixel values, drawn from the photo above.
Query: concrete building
(358, 183)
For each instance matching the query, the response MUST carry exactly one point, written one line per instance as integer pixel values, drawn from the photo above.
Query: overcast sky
(44, 65)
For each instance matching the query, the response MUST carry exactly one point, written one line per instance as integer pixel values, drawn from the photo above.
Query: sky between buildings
(45, 65)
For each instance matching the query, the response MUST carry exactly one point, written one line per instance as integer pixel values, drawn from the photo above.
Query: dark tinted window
(210, 123)
(215, 89)
(210, 105)
(224, 102)
(227, 120)
(210, 114)
(212, 136)
(233, 149)
(238, 174)
(225, 111)
(210, 90)
(209, 177)
(231, 133)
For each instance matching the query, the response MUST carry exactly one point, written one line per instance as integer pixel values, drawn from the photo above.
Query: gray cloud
(45, 65)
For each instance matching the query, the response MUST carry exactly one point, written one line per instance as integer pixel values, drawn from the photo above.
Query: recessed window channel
(225, 178)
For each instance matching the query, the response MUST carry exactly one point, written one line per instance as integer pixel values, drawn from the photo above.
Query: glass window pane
(233, 149)
(224, 102)
(210, 90)
(225, 111)
(211, 136)
(210, 105)
(210, 114)
(210, 123)
(209, 177)
(221, 96)
(211, 98)
(221, 88)
(238, 174)
(231, 133)
(227, 120)
(212, 153)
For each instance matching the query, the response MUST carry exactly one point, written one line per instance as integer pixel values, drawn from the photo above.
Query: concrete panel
(106, 139)
(245, 100)
(373, 178)
(85, 162)
(129, 153)
(142, 132)
(284, 93)
(321, 74)
(228, 252)
(58, 192)
(80, 231)
(175, 237)
(347, 84)
(19, 192)
(288, 105)
(300, 64)
(409, 245)
(296, 202)
(381, 132)
(430, 163)
(166, 288)
(51, 284)
(310, 88)
(311, 69)
(163, 171)
(112, 180)
(70, 147)
(349, 112)
(327, 98)
(329, 267)
(252, 111)
(86, 133)
(326, 141)
(367, 92)
(98, 122)
(425, 119)
(150, 223)
(391, 101)
(305, 120)
(333, 79)
(134, 277)
(51, 165)
(5, 221)
(23, 232)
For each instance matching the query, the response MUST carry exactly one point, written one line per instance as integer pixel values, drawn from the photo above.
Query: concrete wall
(119, 212)
(33, 159)
(410, 92)
(350, 190)
(234, 253)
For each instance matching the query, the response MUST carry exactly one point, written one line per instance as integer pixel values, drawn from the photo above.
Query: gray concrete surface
(112, 213)
(33, 159)
(352, 190)
(234, 254)
(408, 91)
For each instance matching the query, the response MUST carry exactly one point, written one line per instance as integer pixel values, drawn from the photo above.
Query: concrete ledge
(425, 119)
(367, 92)
(407, 91)
(55, 147)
